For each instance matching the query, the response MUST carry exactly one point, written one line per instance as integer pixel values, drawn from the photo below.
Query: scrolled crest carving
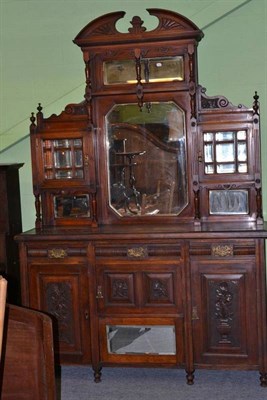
(214, 102)
(169, 24)
(76, 109)
(104, 29)
(70, 109)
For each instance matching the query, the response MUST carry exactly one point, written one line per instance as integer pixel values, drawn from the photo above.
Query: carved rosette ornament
(120, 289)
(159, 289)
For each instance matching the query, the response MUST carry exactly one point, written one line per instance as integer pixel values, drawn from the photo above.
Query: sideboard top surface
(148, 232)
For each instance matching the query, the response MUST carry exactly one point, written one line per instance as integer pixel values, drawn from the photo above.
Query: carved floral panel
(119, 288)
(58, 296)
(159, 288)
(223, 319)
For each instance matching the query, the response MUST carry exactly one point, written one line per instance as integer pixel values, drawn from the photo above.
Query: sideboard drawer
(138, 251)
(222, 248)
(56, 250)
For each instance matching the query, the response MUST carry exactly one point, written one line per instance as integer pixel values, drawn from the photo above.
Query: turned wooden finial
(38, 220)
(33, 125)
(39, 108)
(32, 118)
(39, 115)
(256, 104)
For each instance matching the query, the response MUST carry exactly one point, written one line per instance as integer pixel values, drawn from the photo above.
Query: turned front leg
(190, 377)
(97, 374)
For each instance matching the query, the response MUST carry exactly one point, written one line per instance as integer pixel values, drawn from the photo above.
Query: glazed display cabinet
(149, 244)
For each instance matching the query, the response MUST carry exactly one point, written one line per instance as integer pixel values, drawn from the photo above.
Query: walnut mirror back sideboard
(149, 244)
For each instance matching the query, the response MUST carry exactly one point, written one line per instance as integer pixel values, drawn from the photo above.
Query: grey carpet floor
(76, 383)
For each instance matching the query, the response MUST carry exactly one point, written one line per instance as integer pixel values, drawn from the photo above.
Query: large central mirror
(147, 159)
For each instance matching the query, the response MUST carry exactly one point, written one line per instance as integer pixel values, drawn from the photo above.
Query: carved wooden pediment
(103, 30)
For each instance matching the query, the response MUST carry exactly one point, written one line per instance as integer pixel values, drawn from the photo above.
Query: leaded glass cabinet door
(229, 165)
(64, 158)
(64, 177)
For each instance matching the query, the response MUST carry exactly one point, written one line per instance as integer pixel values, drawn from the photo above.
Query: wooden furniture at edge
(27, 365)
(10, 225)
(3, 291)
(107, 259)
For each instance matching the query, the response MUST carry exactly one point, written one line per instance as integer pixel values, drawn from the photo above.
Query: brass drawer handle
(137, 252)
(222, 250)
(57, 253)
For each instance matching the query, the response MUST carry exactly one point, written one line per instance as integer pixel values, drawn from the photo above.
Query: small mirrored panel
(61, 143)
(228, 202)
(242, 168)
(78, 158)
(225, 152)
(226, 168)
(63, 159)
(164, 69)
(242, 152)
(241, 135)
(158, 340)
(72, 206)
(78, 173)
(209, 157)
(224, 136)
(147, 159)
(63, 174)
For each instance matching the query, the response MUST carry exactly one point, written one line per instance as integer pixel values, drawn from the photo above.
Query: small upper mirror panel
(153, 70)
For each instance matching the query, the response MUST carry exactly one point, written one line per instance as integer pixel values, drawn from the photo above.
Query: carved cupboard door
(140, 313)
(61, 290)
(224, 312)
(139, 288)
